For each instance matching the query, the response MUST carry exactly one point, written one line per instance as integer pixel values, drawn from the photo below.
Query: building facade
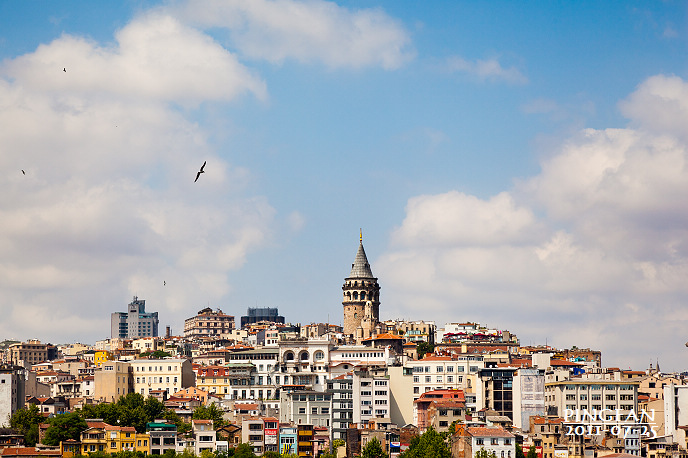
(135, 322)
(170, 375)
(208, 323)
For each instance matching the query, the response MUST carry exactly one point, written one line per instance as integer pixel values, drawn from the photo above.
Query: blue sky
(520, 164)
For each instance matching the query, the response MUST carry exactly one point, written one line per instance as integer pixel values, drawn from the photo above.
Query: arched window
(363, 295)
(303, 356)
(289, 356)
(355, 295)
(319, 355)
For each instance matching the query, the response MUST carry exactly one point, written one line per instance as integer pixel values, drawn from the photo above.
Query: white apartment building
(589, 393)
(170, 375)
(448, 372)
(11, 392)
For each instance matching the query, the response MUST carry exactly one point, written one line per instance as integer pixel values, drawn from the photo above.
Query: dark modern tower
(360, 289)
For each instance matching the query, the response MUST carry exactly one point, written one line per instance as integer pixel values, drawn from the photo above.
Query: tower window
(355, 295)
(363, 296)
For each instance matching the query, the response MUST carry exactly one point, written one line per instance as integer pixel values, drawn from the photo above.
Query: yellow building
(125, 438)
(93, 439)
(102, 356)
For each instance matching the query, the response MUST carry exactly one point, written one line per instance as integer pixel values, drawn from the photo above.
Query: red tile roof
(480, 431)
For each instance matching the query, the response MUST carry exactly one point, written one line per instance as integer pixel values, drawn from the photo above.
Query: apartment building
(135, 322)
(113, 380)
(577, 394)
(466, 441)
(208, 323)
(448, 372)
(163, 437)
(11, 391)
(305, 407)
(170, 375)
(31, 352)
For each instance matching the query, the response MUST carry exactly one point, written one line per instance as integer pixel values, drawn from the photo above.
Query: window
(479, 441)
(416, 379)
(302, 410)
(439, 369)
(494, 441)
(314, 410)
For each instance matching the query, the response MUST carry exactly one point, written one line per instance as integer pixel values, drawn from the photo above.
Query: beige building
(148, 344)
(112, 380)
(208, 323)
(170, 375)
(27, 353)
(653, 385)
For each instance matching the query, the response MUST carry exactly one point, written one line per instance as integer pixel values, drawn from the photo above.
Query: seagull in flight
(200, 171)
(23, 172)
(64, 69)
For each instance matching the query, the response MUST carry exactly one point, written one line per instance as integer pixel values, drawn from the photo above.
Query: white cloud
(156, 57)
(591, 251)
(660, 105)
(486, 70)
(309, 31)
(108, 208)
(455, 218)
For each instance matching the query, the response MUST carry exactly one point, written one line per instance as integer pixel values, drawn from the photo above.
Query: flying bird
(23, 172)
(164, 283)
(64, 69)
(200, 171)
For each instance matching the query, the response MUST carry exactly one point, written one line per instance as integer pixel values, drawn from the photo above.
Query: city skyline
(515, 164)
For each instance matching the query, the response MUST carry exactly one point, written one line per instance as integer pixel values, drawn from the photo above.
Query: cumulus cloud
(591, 251)
(660, 105)
(486, 70)
(107, 207)
(155, 56)
(310, 31)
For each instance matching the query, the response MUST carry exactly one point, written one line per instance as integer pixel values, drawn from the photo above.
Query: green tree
(186, 454)
(207, 454)
(423, 348)
(519, 451)
(157, 354)
(482, 453)
(373, 449)
(209, 412)
(63, 427)
(338, 443)
(244, 451)
(169, 453)
(25, 421)
(429, 444)
(270, 454)
(531, 452)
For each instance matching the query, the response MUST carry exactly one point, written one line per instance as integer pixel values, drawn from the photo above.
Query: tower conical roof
(361, 268)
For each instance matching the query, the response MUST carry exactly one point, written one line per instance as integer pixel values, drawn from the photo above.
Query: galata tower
(360, 288)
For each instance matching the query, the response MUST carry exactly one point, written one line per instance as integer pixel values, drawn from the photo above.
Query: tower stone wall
(360, 288)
